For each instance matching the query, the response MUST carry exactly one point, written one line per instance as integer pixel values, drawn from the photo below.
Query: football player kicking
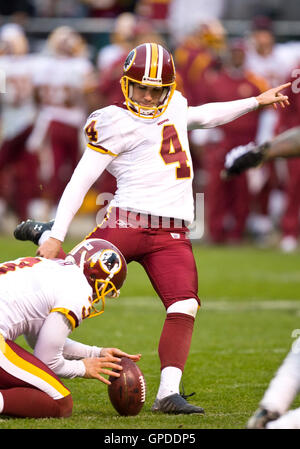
(44, 300)
(143, 142)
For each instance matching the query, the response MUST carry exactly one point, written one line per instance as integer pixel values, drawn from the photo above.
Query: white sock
(44, 236)
(284, 386)
(290, 420)
(1, 403)
(170, 378)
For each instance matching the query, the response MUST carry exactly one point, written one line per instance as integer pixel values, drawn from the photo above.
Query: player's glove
(243, 157)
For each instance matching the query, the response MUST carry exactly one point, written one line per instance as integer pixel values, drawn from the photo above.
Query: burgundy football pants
(163, 249)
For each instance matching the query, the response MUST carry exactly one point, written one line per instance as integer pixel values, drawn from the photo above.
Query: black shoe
(260, 418)
(32, 230)
(175, 404)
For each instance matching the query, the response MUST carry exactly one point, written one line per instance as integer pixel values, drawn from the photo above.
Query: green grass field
(250, 306)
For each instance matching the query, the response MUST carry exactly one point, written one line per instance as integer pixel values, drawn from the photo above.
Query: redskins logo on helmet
(129, 60)
(152, 65)
(104, 267)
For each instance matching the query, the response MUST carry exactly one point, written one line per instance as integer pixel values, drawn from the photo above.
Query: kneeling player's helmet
(152, 65)
(104, 267)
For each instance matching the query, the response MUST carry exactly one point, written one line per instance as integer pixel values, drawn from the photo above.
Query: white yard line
(225, 304)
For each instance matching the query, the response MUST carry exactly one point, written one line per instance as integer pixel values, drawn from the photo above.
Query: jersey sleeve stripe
(69, 315)
(101, 149)
(16, 365)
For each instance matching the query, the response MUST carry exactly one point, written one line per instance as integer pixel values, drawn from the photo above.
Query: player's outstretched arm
(274, 96)
(215, 114)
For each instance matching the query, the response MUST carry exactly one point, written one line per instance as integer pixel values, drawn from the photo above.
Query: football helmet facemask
(104, 267)
(149, 64)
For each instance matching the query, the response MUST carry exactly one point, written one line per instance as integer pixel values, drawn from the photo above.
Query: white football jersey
(61, 84)
(33, 287)
(151, 158)
(18, 110)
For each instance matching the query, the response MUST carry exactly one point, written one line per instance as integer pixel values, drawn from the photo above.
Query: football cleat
(175, 404)
(261, 417)
(32, 230)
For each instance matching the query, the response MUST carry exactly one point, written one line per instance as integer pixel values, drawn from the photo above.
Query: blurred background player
(182, 20)
(53, 298)
(289, 171)
(228, 203)
(120, 38)
(284, 145)
(153, 9)
(19, 169)
(65, 91)
(198, 55)
(290, 218)
(108, 8)
(273, 61)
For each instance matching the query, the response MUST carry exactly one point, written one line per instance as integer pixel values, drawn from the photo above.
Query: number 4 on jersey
(172, 152)
(91, 132)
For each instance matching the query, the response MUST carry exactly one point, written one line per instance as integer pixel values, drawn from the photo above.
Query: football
(127, 393)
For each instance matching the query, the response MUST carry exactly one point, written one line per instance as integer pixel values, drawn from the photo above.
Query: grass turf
(242, 333)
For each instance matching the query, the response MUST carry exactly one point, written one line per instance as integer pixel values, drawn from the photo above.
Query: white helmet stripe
(148, 60)
(160, 61)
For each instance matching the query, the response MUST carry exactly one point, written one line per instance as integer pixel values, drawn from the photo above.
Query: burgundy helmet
(104, 267)
(152, 65)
